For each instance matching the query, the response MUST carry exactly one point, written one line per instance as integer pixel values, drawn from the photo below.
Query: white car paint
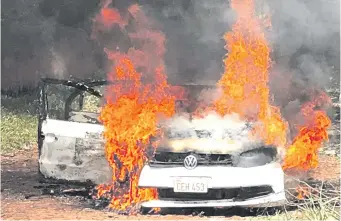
(219, 177)
(63, 157)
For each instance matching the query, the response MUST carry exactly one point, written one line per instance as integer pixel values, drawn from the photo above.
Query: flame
(302, 192)
(303, 152)
(245, 91)
(245, 80)
(133, 107)
(108, 17)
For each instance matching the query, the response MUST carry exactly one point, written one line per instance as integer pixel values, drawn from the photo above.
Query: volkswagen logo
(190, 162)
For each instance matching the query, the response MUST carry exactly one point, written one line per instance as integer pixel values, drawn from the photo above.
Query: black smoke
(48, 37)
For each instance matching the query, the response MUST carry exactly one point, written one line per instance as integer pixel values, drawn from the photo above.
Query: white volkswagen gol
(193, 167)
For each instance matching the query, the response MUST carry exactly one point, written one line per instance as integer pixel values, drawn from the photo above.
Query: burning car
(197, 163)
(212, 162)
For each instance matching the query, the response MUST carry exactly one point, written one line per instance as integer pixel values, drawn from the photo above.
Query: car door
(71, 146)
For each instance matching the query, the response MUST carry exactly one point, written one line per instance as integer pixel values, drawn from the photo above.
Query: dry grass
(322, 202)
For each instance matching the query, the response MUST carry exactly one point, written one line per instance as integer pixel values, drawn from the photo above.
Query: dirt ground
(22, 199)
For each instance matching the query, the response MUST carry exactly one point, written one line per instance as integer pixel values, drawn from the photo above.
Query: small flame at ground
(133, 108)
(302, 153)
(302, 192)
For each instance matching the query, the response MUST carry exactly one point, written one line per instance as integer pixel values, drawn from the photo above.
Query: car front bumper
(220, 177)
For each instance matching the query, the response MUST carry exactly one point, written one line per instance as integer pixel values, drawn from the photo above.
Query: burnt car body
(183, 170)
(70, 144)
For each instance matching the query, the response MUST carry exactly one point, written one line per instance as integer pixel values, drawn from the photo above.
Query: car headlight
(256, 157)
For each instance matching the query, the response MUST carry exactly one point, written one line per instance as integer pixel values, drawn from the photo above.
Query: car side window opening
(71, 104)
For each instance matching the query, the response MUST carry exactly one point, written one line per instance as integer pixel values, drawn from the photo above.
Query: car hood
(206, 146)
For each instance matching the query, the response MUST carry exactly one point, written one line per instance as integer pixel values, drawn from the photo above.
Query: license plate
(190, 185)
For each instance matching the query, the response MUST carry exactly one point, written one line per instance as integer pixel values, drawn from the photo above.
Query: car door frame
(79, 89)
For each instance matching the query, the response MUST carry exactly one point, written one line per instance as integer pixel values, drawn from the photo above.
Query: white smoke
(208, 96)
(209, 134)
(212, 122)
(58, 66)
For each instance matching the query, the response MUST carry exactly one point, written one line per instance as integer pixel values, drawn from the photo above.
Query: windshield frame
(81, 86)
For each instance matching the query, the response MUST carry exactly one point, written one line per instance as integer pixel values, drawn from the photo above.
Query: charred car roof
(87, 84)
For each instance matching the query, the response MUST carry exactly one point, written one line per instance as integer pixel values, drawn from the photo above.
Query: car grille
(169, 159)
(233, 194)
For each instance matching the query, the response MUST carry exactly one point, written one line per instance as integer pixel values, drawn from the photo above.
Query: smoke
(306, 50)
(208, 96)
(57, 64)
(194, 31)
(52, 38)
(228, 134)
(306, 43)
(47, 38)
(304, 38)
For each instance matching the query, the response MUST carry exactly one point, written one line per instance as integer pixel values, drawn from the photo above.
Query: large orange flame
(133, 107)
(246, 91)
(245, 80)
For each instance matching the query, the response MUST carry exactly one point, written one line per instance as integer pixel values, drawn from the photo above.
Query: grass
(19, 120)
(18, 123)
(322, 202)
(17, 130)
(19, 116)
(307, 212)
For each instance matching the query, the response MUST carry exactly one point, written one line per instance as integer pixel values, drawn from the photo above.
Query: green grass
(18, 123)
